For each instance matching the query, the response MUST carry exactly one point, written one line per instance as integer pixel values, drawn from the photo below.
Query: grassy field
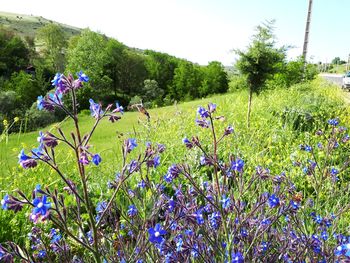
(27, 25)
(281, 120)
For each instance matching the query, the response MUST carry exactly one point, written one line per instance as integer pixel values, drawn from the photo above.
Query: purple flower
(156, 233)
(133, 166)
(84, 158)
(4, 202)
(228, 130)
(188, 143)
(96, 159)
(237, 165)
(118, 108)
(95, 109)
(274, 201)
(132, 211)
(203, 123)
(26, 161)
(130, 144)
(211, 107)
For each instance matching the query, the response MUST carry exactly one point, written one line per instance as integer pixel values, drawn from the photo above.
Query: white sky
(199, 31)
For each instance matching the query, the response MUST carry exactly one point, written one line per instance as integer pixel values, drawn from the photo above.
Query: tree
(88, 53)
(55, 44)
(214, 79)
(14, 55)
(260, 61)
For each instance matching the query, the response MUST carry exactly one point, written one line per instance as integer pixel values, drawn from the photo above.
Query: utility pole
(307, 31)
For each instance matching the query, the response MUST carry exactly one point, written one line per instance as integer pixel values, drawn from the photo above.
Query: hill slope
(27, 25)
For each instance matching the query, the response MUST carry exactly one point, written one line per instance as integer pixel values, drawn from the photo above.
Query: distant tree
(55, 43)
(187, 81)
(26, 88)
(14, 55)
(214, 79)
(113, 67)
(161, 67)
(88, 53)
(133, 72)
(260, 61)
(152, 93)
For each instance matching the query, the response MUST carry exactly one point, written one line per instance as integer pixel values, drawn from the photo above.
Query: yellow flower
(16, 119)
(5, 123)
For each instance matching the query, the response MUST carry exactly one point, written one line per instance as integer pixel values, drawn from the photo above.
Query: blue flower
(225, 201)
(96, 159)
(130, 144)
(334, 171)
(101, 206)
(179, 244)
(203, 112)
(40, 102)
(237, 165)
(156, 233)
(171, 205)
(214, 220)
(57, 79)
(308, 148)
(333, 122)
(41, 206)
(83, 77)
(199, 217)
(156, 161)
(42, 254)
(4, 202)
(237, 257)
(95, 109)
(141, 184)
(324, 235)
(132, 211)
(273, 201)
(343, 249)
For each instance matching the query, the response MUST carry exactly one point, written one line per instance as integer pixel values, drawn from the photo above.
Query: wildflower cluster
(220, 210)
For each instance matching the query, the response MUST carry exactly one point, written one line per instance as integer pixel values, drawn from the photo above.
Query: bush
(237, 82)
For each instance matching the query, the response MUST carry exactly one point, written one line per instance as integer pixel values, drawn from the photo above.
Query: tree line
(117, 73)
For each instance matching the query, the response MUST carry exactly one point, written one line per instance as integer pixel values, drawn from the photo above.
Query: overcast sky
(202, 30)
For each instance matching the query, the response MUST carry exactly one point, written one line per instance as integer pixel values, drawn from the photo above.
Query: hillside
(27, 25)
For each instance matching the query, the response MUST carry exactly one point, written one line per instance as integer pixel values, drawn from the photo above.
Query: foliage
(212, 206)
(260, 61)
(55, 44)
(237, 82)
(14, 55)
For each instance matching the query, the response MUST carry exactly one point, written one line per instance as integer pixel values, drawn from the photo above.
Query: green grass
(269, 138)
(280, 121)
(27, 25)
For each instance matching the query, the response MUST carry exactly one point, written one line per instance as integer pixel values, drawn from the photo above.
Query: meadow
(281, 121)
